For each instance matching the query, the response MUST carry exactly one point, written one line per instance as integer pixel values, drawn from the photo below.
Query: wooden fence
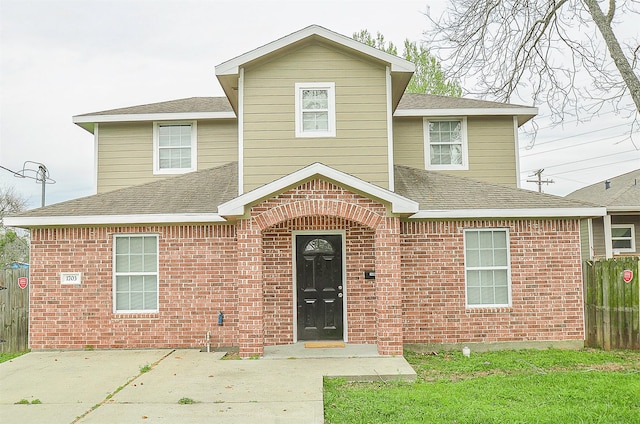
(612, 305)
(14, 311)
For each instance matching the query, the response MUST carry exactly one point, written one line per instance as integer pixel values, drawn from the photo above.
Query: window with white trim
(174, 147)
(135, 276)
(315, 105)
(446, 144)
(623, 238)
(487, 267)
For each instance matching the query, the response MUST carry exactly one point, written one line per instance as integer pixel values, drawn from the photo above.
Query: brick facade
(546, 284)
(246, 270)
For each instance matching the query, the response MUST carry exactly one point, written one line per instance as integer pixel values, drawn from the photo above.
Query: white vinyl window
(623, 238)
(487, 267)
(135, 276)
(174, 147)
(315, 105)
(446, 144)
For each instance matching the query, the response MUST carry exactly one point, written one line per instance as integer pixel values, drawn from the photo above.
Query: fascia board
(466, 111)
(231, 67)
(83, 119)
(50, 221)
(399, 204)
(510, 213)
(618, 209)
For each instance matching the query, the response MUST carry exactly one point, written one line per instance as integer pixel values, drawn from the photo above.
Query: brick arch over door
(319, 207)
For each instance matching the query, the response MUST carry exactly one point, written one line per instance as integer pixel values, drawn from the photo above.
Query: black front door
(319, 286)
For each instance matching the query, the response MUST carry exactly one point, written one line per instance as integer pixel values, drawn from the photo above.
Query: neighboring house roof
(197, 196)
(622, 194)
(411, 104)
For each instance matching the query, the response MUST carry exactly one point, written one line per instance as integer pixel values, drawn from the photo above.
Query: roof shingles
(202, 192)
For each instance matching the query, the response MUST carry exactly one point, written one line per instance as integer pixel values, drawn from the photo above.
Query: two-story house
(315, 201)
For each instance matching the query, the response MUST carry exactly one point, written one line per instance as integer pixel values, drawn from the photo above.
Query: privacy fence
(612, 304)
(14, 311)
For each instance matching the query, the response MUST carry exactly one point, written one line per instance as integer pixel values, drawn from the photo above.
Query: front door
(319, 287)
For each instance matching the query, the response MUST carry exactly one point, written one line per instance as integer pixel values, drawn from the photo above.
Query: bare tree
(551, 51)
(10, 202)
(13, 247)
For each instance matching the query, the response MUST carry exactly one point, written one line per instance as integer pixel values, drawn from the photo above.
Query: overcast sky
(61, 58)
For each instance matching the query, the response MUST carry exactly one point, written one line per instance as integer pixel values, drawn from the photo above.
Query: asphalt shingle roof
(623, 192)
(203, 191)
(439, 191)
(196, 192)
(221, 104)
(192, 104)
(432, 101)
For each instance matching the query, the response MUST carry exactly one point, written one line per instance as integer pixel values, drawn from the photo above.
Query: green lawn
(9, 356)
(527, 386)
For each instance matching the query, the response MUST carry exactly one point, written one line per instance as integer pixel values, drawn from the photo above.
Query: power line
(595, 166)
(586, 160)
(568, 147)
(576, 135)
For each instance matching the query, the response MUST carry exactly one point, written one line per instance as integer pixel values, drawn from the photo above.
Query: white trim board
(49, 221)
(510, 213)
(399, 204)
(231, 67)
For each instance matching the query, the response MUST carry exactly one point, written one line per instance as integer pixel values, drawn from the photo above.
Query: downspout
(241, 132)
(608, 244)
(390, 131)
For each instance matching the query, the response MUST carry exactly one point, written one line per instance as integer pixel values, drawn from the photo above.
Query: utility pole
(539, 180)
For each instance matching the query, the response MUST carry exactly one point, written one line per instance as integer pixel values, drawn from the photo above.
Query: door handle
(339, 294)
(339, 287)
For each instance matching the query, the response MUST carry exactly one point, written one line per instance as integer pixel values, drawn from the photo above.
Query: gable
(228, 73)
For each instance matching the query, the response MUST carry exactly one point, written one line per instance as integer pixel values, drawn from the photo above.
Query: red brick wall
(546, 283)
(200, 274)
(196, 278)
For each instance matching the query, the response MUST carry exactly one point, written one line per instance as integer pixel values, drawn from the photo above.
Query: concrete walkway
(108, 387)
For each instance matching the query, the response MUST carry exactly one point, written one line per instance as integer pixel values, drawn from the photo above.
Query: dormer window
(315, 109)
(174, 147)
(446, 144)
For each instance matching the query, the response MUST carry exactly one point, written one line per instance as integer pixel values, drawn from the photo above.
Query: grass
(525, 386)
(186, 401)
(4, 357)
(26, 402)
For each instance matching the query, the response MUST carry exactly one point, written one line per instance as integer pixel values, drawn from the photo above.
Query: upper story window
(623, 238)
(487, 266)
(315, 109)
(135, 273)
(446, 144)
(174, 147)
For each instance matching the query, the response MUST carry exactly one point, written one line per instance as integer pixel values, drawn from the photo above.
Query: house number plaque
(70, 277)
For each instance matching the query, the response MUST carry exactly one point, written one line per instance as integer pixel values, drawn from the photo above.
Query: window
(175, 148)
(136, 273)
(446, 144)
(315, 109)
(623, 238)
(488, 273)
